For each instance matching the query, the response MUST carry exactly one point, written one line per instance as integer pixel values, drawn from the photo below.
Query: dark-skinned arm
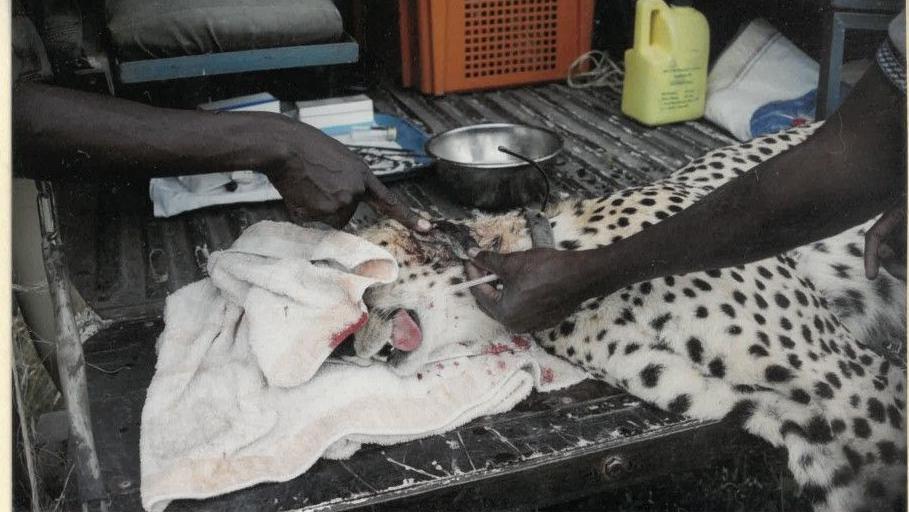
(851, 169)
(66, 134)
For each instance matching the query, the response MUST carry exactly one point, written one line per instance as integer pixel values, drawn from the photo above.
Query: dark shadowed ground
(755, 481)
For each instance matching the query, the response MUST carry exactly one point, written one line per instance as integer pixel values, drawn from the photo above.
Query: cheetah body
(790, 347)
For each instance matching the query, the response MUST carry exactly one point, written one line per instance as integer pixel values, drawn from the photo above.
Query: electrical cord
(603, 72)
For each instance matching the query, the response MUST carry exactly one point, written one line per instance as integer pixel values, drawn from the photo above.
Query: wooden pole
(70, 359)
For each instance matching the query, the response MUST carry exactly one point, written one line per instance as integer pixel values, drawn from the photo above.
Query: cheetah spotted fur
(796, 348)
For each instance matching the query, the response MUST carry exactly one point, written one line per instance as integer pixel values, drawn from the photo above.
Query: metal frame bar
(828, 90)
(70, 358)
(345, 52)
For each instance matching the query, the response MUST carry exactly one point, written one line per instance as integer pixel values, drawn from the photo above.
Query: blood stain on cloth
(338, 337)
(496, 349)
(547, 375)
(521, 342)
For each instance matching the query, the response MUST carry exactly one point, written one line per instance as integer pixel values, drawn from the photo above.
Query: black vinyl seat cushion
(150, 29)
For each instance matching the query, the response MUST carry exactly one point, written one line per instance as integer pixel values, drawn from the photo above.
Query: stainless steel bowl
(470, 164)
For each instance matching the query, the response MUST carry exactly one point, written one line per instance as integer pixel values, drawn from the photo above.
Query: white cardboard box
(262, 102)
(346, 110)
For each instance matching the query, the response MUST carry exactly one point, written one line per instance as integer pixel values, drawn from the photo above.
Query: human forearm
(849, 171)
(61, 133)
(736, 224)
(851, 168)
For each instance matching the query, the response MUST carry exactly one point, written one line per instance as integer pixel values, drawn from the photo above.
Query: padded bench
(168, 39)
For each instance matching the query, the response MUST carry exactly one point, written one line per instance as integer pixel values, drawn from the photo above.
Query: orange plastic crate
(461, 45)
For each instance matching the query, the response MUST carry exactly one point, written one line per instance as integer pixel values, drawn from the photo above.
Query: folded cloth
(759, 67)
(300, 290)
(239, 397)
(172, 196)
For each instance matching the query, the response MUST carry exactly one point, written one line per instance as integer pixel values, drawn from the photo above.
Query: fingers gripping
(487, 296)
(492, 262)
(888, 223)
(387, 203)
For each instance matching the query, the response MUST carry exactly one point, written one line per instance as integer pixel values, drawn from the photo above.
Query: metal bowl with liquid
(471, 163)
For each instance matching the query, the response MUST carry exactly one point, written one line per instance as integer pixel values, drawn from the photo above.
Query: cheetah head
(413, 317)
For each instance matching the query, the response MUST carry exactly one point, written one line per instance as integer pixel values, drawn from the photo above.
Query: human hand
(320, 179)
(539, 288)
(885, 244)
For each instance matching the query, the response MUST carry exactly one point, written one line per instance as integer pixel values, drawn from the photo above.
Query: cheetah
(798, 349)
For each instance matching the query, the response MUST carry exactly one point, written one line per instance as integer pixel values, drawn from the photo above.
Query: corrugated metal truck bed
(552, 447)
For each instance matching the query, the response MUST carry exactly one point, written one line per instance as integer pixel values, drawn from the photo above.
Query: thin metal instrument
(470, 284)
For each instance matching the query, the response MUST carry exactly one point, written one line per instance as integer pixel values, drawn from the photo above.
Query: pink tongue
(405, 333)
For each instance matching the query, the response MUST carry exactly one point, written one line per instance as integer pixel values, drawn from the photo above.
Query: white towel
(759, 67)
(297, 286)
(236, 399)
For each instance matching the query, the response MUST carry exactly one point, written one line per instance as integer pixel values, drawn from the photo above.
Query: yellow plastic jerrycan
(666, 70)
